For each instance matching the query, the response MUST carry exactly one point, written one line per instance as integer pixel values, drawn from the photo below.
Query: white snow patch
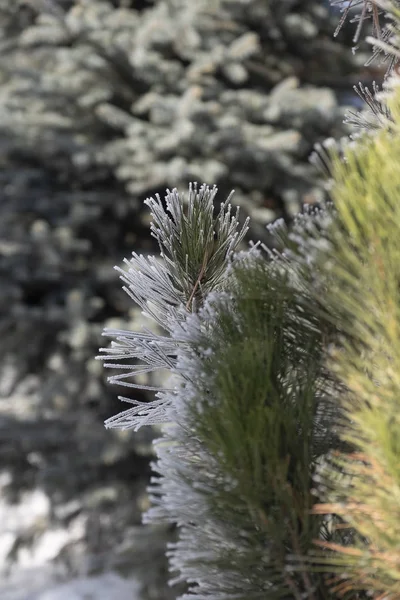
(104, 587)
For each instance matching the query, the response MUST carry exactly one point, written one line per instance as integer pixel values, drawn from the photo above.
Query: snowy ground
(34, 584)
(33, 575)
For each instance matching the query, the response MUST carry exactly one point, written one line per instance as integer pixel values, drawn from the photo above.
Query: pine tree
(281, 430)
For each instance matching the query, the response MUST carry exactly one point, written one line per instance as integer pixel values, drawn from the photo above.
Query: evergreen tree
(279, 459)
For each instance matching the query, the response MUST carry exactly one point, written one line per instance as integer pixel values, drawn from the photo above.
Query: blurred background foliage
(101, 105)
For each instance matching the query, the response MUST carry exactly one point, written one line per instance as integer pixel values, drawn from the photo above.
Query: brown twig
(198, 280)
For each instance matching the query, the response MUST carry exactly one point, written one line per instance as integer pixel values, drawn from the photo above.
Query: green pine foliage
(255, 409)
(363, 486)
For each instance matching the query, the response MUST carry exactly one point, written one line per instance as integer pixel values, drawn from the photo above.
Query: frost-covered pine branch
(377, 114)
(384, 16)
(380, 14)
(248, 413)
(195, 250)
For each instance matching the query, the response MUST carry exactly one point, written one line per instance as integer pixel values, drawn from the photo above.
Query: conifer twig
(164, 289)
(198, 280)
